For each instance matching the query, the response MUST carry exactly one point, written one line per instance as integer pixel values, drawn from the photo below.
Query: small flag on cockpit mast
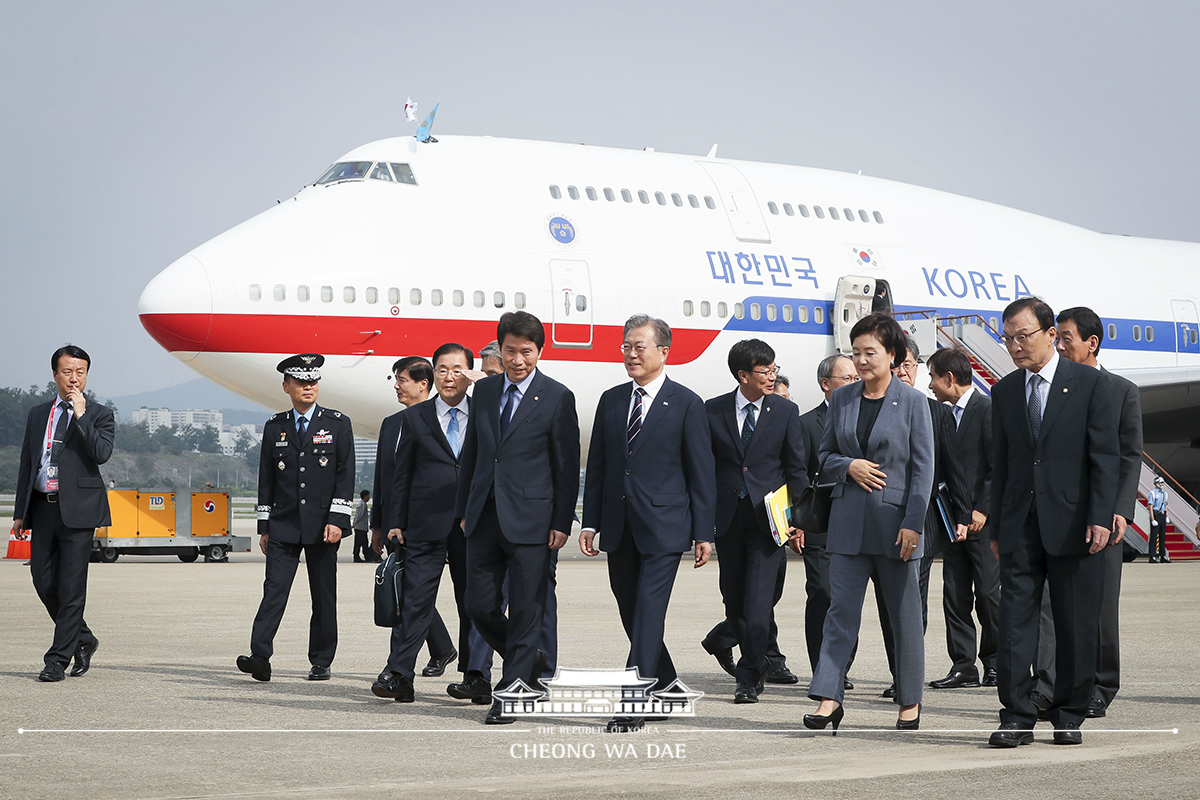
(426, 127)
(410, 110)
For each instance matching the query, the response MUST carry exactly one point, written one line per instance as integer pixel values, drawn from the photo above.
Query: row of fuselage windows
(820, 213)
(437, 297)
(1112, 331)
(643, 196)
(785, 311)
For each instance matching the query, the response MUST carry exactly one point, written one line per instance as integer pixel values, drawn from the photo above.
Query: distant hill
(198, 393)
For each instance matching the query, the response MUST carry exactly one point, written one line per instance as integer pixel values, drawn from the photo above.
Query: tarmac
(164, 713)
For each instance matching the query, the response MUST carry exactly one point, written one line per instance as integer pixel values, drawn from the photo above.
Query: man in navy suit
(412, 379)
(1054, 487)
(421, 515)
(61, 498)
(759, 447)
(649, 494)
(518, 483)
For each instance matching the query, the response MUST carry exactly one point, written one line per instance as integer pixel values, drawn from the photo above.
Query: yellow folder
(779, 512)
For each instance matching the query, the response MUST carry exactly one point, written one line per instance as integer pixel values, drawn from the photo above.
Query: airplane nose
(176, 308)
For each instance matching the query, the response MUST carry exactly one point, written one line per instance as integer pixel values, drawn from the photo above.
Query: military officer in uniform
(305, 502)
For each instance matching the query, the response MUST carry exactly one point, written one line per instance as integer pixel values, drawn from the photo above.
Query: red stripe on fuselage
(354, 336)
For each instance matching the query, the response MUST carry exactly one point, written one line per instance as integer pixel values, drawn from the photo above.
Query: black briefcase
(812, 509)
(388, 592)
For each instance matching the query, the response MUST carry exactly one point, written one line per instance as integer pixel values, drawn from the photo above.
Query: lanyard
(50, 428)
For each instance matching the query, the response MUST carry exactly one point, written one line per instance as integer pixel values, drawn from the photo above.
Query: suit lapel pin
(323, 461)
(665, 403)
(1065, 390)
(895, 403)
(535, 397)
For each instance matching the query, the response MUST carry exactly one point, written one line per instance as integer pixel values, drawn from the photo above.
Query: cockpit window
(346, 171)
(381, 173)
(404, 173)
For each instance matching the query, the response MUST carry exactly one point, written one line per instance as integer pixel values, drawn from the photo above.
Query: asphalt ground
(164, 713)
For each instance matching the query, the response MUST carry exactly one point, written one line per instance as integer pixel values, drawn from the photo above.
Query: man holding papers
(758, 447)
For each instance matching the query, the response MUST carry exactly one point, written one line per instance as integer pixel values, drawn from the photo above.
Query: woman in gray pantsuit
(878, 448)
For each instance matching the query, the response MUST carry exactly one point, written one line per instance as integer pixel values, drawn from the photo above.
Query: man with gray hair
(489, 359)
(833, 372)
(649, 495)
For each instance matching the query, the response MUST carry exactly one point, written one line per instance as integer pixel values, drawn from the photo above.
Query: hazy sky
(136, 131)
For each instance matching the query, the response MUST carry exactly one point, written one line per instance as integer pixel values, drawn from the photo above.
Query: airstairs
(990, 362)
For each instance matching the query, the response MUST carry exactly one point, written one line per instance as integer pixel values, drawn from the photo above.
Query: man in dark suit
(412, 377)
(833, 372)
(970, 573)
(1080, 332)
(649, 493)
(1054, 485)
(758, 447)
(518, 483)
(421, 514)
(61, 498)
(305, 499)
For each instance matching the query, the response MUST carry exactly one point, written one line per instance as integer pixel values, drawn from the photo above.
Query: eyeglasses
(908, 366)
(768, 373)
(443, 372)
(844, 379)
(1020, 338)
(638, 348)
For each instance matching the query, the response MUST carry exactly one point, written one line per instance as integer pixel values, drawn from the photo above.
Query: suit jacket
(385, 469)
(947, 468)
(1127, 402)
(774, 457)
(425, 481)
(665, 489)
(1070, 472)
(812, 428)
(87, 444)
(974, 438)
(901, 443)
(533, 470)
(304, 485)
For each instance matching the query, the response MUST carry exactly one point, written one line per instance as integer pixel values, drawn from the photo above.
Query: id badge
(51, 478)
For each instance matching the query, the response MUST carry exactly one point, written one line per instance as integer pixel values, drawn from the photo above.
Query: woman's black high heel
(817, 722)
(910, 724)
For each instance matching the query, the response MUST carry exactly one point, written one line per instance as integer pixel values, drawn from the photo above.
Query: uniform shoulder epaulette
(280, 416)
(333, 412)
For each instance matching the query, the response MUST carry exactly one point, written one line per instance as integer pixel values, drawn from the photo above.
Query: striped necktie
(747, 434)
(452, 432)
(635, 417)
(1035, 405)
(60, 431)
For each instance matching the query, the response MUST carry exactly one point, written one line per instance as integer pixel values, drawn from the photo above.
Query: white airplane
(403, 245)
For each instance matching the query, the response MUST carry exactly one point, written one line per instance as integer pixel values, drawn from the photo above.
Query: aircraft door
(855, 299)
(571, 299)
(737, 198)
(1187, 332)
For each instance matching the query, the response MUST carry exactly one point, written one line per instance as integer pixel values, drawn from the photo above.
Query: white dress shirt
(443, 415)
(522, 388)
(651, 389)
(742, 404)
(56, 412)
(960, 407)
(1047, 372)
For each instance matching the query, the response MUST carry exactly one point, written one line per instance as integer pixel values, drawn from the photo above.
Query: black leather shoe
(625, 724)
(723, 655)
(989, 678)
(83, 658)
(818, 722)
(474, 687)
(1068, 733)
(1097, 709)
(913, 724)
(437, 664)
(847, 685)
(1042, 704)
(319, 673)
(782, 675)
(956, 680)
(1011, 734)
(53, 672)
(495, 715)
(257, 667)
(889, 691)
(397, 687)
(744, 693)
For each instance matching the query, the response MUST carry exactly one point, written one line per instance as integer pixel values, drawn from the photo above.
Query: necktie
(1035, 405)
(635, 417)
(957, 416)
(747, 433)
(301, 427)
(60, 431)
(452, 432)
(510, 405)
